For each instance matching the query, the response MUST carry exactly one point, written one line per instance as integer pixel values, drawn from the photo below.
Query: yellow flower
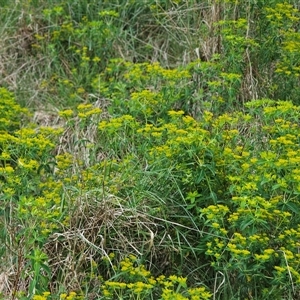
(106, 293)
(173, 113)
(66, 113)
(182, 281)
(80, 90)
(83, 106)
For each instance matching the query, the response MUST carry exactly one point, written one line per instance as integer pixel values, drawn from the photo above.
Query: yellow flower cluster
(11, 112)
(138, 281)
(64, 296)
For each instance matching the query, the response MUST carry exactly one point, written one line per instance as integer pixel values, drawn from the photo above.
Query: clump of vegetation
(149, 150)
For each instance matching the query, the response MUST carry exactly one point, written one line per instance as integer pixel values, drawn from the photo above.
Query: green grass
(149, 150)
